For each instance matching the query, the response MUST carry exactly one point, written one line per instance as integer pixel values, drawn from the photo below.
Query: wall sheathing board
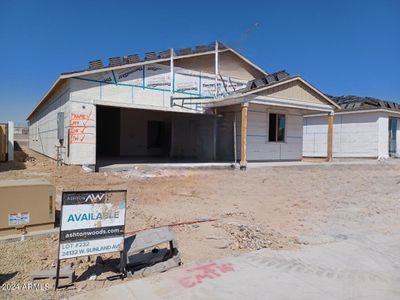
(191, 135)
(383, 135)
(133, 131)
(354, 135)
(82, 133)
(149, 86)
(43, 124)
(227, 117)
(258, 146)
(315, 134)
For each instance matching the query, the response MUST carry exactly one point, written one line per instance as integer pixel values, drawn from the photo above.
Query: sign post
(92, 222)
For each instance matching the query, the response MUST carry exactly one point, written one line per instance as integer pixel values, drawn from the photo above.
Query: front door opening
(159, 136)
(392, 136)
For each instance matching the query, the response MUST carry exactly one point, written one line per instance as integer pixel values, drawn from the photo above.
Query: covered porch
(268, 122)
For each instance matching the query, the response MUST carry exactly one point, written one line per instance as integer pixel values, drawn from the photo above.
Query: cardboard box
(26, 205)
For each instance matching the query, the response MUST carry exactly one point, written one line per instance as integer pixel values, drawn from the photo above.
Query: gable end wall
(295, 90)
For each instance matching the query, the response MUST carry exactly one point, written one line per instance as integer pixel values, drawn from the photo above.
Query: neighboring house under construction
(363, 127)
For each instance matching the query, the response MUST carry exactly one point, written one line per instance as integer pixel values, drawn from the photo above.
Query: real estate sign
(92, 222)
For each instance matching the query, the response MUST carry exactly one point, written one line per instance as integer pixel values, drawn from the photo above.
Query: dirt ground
(266, 207)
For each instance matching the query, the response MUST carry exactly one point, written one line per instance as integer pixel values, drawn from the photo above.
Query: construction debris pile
(249, 236)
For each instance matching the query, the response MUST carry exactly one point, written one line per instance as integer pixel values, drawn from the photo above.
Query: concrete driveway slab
(365, 268)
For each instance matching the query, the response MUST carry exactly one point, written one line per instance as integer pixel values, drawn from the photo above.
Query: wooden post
(243, 143)
(329, 153)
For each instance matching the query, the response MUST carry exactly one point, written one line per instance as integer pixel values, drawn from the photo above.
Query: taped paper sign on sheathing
(92, 222)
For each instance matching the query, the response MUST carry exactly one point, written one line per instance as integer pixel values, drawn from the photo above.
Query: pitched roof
(96, 66)
(278, 78)
(350, 103)
(267, 80)
(115, 63)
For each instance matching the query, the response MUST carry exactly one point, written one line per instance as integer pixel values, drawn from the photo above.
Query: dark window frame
(274, 134)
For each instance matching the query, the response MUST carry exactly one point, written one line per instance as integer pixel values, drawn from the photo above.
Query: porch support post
(329, 154)
(243, 140)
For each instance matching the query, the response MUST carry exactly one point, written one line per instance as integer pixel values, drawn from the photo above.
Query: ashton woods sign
(92, 222)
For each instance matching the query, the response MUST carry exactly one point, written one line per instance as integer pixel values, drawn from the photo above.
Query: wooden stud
(329, 154)
(243, 144)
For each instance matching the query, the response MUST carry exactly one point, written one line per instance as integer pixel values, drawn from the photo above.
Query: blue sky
(341, 47)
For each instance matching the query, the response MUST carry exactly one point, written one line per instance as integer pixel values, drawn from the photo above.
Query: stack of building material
(114, 61)
(95, 64)
(204, 48)
(150, 56)
(165, 54)
(185, 51)
(131, 59)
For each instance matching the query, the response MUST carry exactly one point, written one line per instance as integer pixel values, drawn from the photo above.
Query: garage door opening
(126, 135)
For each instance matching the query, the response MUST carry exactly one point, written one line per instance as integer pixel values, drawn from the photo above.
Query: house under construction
(202, 104)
